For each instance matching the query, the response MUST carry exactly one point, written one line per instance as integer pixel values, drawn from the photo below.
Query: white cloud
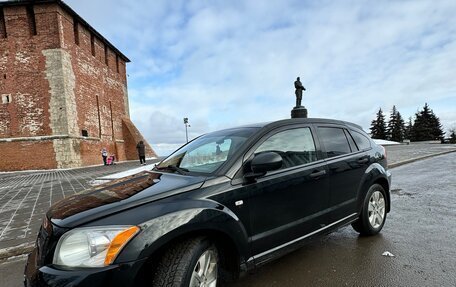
(226, 63)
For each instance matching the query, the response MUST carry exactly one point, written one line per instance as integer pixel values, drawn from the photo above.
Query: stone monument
(299, 111)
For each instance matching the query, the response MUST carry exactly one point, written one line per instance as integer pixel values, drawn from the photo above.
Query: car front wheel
(373, 213)
(192, 263)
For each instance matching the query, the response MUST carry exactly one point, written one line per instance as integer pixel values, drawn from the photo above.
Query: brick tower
(63, 90)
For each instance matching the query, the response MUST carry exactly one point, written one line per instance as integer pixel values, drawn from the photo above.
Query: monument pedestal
(299, 112)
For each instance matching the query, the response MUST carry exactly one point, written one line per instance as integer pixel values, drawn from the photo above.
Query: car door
(290, 202)
(346, 168)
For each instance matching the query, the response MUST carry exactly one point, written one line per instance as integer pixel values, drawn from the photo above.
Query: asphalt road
(420, 232)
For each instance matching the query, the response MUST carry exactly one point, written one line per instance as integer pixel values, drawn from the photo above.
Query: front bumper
(114, 275)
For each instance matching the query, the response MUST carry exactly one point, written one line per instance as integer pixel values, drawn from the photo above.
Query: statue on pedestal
(299, 111)
(298, 92)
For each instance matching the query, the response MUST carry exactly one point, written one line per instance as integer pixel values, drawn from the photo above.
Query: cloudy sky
(228, 63)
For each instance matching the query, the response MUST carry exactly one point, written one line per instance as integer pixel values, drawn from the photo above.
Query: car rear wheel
(192, 263)
(373, 213)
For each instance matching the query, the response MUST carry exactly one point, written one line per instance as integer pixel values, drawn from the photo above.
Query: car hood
(119, 195)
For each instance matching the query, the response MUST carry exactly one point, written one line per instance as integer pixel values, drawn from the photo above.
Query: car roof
(299, 120)
(313, 121)
(279, 123)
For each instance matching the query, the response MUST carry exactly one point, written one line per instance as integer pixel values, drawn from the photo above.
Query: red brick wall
(91, 151)
(19, 155)
(22, 72)
(100, 82)
(132, 138)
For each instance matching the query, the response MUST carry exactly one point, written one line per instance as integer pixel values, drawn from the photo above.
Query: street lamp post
(186, 126)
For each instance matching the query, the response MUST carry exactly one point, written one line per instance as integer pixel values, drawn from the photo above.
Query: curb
(21, 249)
(25, 248)
(396, 164)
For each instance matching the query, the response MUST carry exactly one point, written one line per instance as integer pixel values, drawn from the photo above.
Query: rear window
(361, 140)
(334, 141)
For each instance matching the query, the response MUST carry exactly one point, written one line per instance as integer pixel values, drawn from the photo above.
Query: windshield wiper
(172, 167)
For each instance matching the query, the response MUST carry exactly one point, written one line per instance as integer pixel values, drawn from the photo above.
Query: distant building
(63, 90)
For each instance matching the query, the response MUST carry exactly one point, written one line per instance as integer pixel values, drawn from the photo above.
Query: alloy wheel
(205, 271)
(376, 209)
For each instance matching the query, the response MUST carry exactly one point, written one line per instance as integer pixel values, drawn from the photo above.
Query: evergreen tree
(408, 129)
(398, 129)
(391, 123)
(378, 126)
(436, 127)
(453, 136)
(427, 126)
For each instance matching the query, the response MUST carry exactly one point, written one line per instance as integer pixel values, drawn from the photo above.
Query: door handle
(317, 173)
(363, 160)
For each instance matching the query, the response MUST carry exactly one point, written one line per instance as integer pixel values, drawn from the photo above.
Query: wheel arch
(220, 225)
(375, 174)
(384, 183)
(230, 265)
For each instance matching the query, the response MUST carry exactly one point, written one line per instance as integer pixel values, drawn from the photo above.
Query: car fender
(199, 216)
(373, 173)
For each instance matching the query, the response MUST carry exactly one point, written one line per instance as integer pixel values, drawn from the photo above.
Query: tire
(183, 265)
(373, 212)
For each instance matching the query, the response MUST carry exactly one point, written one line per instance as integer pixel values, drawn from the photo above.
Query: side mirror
(264, 162)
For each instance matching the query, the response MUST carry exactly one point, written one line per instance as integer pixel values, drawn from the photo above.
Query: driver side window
(296, 146)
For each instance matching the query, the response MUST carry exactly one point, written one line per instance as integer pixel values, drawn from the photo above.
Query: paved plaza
(26, 196)
(404, 153)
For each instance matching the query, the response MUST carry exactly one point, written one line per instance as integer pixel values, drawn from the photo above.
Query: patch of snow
(385, 142)
(127, 172)
(387, 254)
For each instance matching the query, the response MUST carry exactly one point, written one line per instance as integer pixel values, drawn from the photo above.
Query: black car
(220, 205)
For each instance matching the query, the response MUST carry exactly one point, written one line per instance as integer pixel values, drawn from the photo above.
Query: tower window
(92, 44)
(31, 20)
(76, 31)
(2, 25)
(6, 99)
(84, 133)
(99, 117)
(117, 63)
(106, 54)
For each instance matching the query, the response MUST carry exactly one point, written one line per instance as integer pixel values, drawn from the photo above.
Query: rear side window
(334, 141)
(361, 140)
(296, 146)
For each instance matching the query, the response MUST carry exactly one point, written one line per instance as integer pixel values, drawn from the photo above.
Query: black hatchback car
(220, 205)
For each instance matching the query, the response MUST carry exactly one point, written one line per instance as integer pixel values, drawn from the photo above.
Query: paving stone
(25, 197)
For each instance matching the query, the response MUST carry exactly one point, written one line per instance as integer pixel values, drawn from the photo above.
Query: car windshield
(206, 153)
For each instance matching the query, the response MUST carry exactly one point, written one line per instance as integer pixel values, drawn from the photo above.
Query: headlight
(92, 246)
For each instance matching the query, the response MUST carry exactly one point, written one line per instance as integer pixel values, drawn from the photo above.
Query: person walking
(104, 154)
(141, 152)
